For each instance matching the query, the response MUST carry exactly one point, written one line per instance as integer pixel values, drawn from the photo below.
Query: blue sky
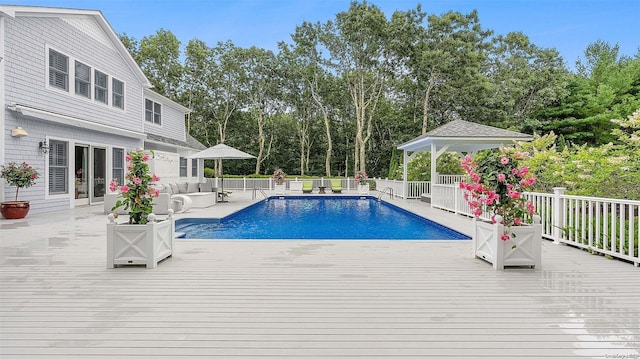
(566, 25)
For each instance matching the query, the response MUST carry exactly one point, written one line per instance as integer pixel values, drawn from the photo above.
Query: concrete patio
(304, 299)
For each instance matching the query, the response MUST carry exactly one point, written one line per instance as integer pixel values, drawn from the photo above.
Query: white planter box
(279, 188)
(363, 188)
(136, 244)
(487, 244)
(295, 186)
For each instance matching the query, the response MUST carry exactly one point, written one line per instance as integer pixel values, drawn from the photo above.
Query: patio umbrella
(220, 152)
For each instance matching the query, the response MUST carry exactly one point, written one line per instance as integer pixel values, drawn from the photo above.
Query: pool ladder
(255, 191)
(386, 190)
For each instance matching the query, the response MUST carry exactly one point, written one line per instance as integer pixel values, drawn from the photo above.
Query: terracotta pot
(14, 209)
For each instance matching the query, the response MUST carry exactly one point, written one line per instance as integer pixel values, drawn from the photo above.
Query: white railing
(414, 190)
(397, 186)
(601, 225)
(248, 184)
(450, 179)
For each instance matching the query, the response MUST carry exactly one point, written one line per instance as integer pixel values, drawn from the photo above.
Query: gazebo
(457, 136)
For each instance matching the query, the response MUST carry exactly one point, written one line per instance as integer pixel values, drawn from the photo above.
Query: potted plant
(20, 175)
(141, 240)
(494, 189)
(279, 180)
(361, 179)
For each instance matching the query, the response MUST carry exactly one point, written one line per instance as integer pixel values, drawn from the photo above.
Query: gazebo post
(434, 158)
(405, 173)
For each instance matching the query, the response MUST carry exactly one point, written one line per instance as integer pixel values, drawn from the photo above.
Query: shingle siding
(172, 123)
(26, 149)
(27, 39)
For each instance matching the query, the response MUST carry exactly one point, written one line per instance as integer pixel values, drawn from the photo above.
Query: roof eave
(18, 10)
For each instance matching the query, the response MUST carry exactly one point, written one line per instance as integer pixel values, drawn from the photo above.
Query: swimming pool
(326, 217)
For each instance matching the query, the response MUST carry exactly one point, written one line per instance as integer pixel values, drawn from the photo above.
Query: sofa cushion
(182, 186)
(192, 187)
(166, 188)
(206, 186)
(174, 188)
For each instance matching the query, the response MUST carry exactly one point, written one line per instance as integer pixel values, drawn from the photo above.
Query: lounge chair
(336, 186)
(307, 186)
(222, 195)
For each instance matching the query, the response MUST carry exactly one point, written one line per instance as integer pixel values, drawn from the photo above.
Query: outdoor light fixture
(19, 132)
(44, 146)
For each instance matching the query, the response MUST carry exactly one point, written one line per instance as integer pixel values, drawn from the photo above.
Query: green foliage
(209, 172)
(347, 91)
(393, 164)
(606, 87)
(372, 184)
(602, 225)
(606, 171)
(20, 175)
(419, 168)
(137, 194)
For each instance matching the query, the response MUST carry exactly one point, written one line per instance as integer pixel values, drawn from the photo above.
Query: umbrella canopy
(221, 152)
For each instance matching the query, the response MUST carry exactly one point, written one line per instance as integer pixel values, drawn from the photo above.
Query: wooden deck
(304, 299)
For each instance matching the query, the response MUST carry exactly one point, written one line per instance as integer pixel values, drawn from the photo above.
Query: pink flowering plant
(278, 176)
(495, 183)
(137, 193)
(361, 177)
(21, 175)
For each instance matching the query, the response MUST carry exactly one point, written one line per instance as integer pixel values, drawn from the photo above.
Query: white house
(74, 102)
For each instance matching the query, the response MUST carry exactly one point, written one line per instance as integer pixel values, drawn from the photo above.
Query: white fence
(600, 225)
(415, 189)
(247, 184)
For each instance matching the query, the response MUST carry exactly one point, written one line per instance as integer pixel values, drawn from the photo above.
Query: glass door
(99, 173)
(81, 173)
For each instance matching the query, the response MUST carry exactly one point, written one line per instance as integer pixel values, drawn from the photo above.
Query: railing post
(558, 211)
(456, 191)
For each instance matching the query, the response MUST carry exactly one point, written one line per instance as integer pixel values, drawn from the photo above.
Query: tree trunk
(425, 106)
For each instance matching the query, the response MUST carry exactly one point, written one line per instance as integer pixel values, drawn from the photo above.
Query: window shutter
(118, 165)
(58, 169)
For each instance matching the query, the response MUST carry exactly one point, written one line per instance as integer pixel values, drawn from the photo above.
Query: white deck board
(304, 299)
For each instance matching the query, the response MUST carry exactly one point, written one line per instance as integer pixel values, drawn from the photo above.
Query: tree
(259, 69)
(445, 63)
(606, 86)
(213, 80)
(306, 49)
(524, 79)
(356, 44)
(159, 59)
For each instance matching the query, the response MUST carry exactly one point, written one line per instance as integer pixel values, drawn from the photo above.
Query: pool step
(180, 235)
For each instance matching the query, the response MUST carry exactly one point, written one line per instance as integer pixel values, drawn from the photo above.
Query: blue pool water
(299, 217)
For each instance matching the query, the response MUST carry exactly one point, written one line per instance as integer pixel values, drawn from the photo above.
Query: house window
(83, 79)
(194, 168)
(118, 165)
(118, 93)
(183, 167)
(101, 91)
(58, 167)
(153, 112)
(58, 70)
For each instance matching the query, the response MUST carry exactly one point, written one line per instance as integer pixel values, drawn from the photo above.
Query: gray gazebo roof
(464, 136)
(457, 136)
